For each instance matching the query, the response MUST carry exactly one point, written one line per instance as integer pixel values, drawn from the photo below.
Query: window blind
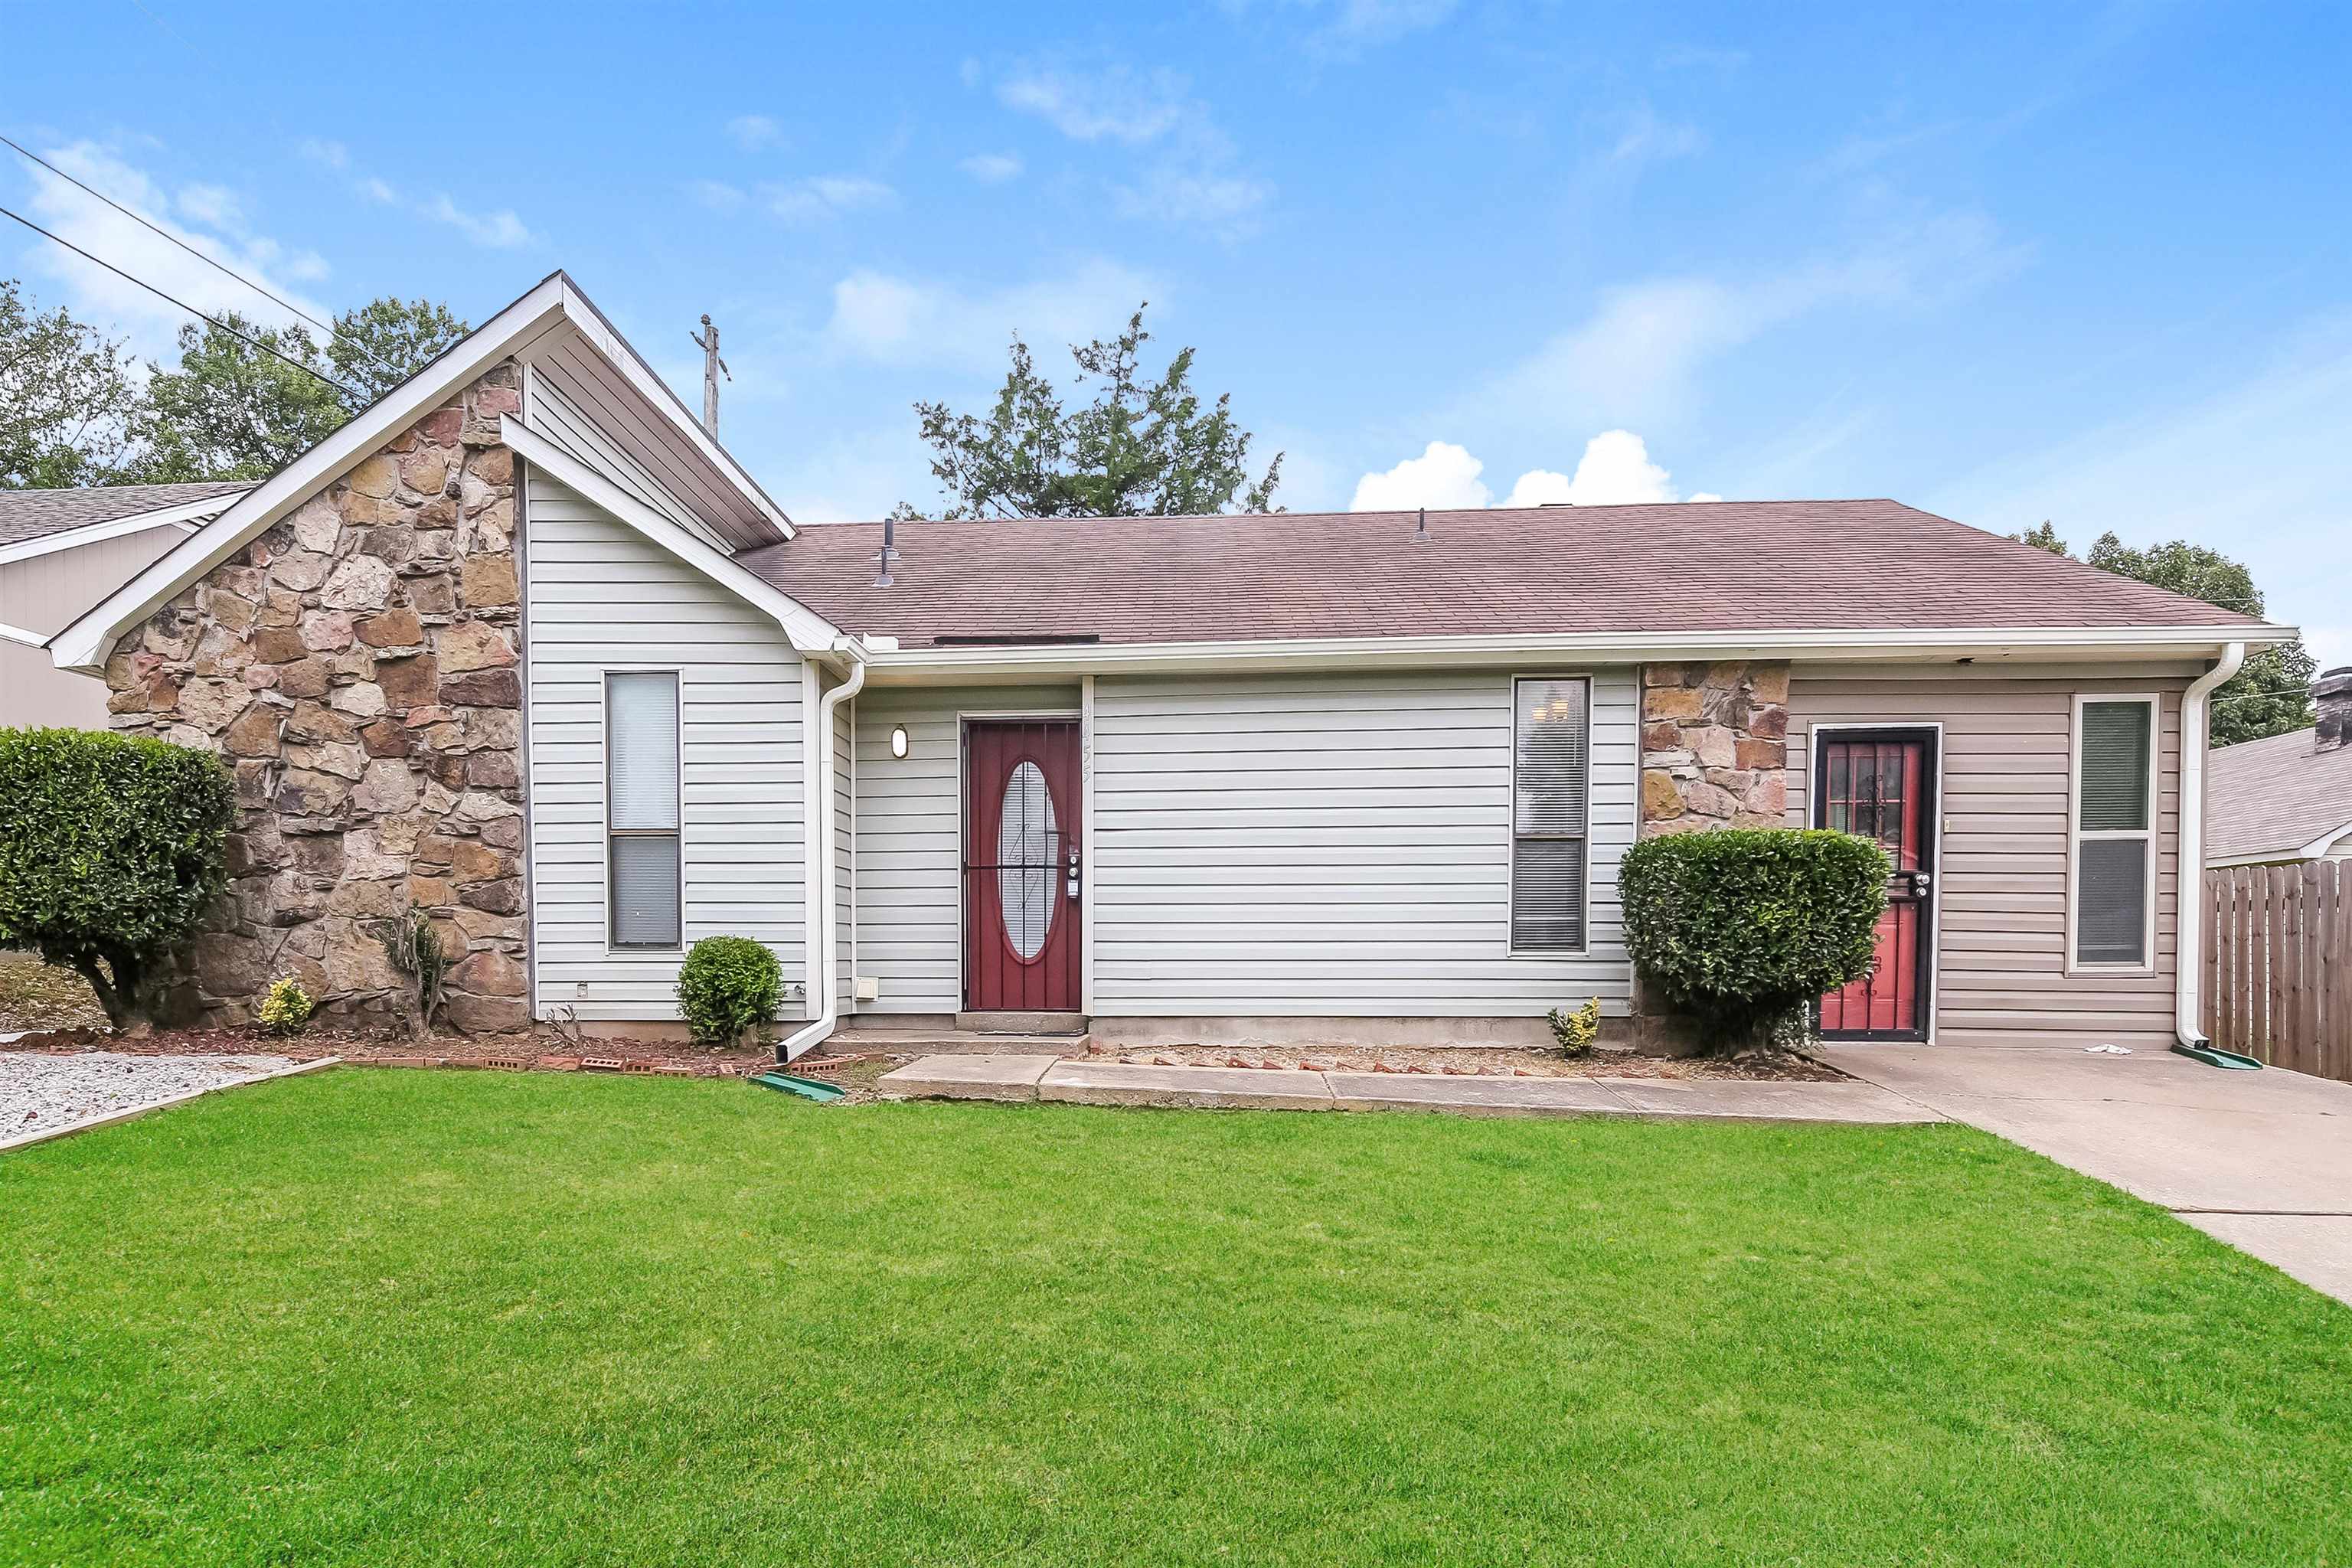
(1551, 779)
(2115, 743)
(641, 724)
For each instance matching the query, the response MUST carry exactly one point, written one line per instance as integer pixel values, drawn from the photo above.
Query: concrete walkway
(2260, 1160)
(1083, 1082)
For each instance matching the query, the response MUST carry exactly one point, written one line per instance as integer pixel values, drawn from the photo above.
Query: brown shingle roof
(34, 514)
(1699, 566)
(2272, 796)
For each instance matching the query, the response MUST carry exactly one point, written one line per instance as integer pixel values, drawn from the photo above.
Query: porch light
(898, 740)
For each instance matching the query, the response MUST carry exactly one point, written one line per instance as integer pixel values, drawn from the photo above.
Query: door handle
(1074, 873)
(1920, 882)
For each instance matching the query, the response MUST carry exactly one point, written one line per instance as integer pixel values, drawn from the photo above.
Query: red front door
(1021, 865)
(1881, 785)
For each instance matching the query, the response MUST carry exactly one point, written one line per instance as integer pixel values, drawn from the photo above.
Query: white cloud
(1615, 470)
(900, 321)
(376, 190)
(826, 196)
(716, 195)
(1647, 139)
(207, 218)
(992, 168)
(753, 131)
(1346, 26)
(1189, 179)
(1227, 205)
(1444, 476)
(329, 155)
(500, 230)
(1113, 103)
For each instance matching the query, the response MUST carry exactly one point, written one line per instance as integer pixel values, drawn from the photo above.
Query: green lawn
(396, 1318)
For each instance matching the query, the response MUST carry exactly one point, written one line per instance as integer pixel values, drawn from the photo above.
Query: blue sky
(2004, 263)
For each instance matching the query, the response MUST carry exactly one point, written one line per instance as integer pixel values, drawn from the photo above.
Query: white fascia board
(1984, 646)
(182, 517)
(809, 632)
(18, 634)
(599, 331)
(83, 645)
(2318, 848)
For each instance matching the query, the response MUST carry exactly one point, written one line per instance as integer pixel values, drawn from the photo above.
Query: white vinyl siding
(909, 837)
(1336, 845)
(2113, 888)
(604, 598)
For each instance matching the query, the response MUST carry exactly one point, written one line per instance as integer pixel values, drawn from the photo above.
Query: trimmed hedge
(728, 987)
(1744, 928)
(112, 849)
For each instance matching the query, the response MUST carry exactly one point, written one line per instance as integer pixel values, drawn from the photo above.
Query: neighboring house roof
(635, 422)
(1727, 566)
(36, 514)
(2278, 798)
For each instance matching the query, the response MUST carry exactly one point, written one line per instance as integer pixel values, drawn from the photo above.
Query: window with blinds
(641, 788)
(1551, 786)
(2115, 831)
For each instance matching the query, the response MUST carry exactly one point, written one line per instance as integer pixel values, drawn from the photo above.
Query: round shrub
(286, 1010)
(112, 849)
(728, 987)
(1744, 928)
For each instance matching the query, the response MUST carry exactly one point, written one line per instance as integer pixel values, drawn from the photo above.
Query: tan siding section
(2001, 976)
(42, 594)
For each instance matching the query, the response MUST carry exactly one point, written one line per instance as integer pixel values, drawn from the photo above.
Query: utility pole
(713, 367)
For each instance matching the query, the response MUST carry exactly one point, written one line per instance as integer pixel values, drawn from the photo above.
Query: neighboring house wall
(910, 837)
(42, 593)
(356, 663)
(2001, 976)
(603, 597)
(1336, 845)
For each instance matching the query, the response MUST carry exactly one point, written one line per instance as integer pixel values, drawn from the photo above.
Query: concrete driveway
(2262, 1160)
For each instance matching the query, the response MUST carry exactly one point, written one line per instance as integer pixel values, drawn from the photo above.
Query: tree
(2042, 538)
(233, 411)
(67, 398)
(111, 850)
(1139, 450)
(2270, 695)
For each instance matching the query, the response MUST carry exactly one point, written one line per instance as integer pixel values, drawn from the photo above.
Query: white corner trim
(809, 632)
(183, 517)
(84, 644)
(1087, 867)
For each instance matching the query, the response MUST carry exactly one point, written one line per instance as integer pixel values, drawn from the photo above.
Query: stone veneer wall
(1715, 746)
(358, 665)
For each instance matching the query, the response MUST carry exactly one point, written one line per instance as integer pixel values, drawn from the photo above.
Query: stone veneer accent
(358, 664)
(1715, 746)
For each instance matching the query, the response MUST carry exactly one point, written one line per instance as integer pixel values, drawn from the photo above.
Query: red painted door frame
(1022, 864)
(1882, 785)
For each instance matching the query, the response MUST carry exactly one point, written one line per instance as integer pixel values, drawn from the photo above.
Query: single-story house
(523, 646)
(61, 553)
(2288, 798)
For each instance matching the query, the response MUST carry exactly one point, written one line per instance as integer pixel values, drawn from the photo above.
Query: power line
(215, 265)
(191, 309)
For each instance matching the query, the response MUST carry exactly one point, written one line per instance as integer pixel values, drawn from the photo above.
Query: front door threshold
(1007, 1022)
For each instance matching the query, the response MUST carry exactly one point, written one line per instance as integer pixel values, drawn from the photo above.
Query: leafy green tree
(67, 398)
(1140, 448)
(2272, 694)
(2042, 538)
(383, 343)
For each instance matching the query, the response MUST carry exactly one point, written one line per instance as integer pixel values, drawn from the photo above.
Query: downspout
(826, 873)
(2189, 926)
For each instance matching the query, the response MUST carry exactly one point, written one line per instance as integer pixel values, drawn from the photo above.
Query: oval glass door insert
(1025, 871)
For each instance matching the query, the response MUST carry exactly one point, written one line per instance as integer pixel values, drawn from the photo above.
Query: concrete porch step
(1066, 1025)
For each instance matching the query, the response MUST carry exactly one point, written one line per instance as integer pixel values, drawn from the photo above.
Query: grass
(392, 1317)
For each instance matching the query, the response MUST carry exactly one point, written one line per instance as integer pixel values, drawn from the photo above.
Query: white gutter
(822, 930)
(2188, 929)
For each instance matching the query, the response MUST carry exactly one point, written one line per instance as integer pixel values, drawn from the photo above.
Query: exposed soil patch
(34, 996)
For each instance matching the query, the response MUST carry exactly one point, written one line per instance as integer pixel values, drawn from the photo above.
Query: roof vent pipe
(1421, 527)
(890, 530)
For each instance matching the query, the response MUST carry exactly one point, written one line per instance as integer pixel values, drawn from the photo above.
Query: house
(523, 644)
(2286, 797)
(61, 551)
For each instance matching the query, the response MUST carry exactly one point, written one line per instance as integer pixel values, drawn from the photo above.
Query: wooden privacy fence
(2278, 964)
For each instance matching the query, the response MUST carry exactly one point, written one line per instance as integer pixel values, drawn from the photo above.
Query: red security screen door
(1021, 865)
(1881, 785)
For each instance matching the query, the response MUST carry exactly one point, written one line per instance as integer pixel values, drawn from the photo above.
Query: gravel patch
(38, 1092)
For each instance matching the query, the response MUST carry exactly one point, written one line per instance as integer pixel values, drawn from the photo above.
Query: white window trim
(1511, 949)
(604, 775)
(1932, 979)
(2153, 833)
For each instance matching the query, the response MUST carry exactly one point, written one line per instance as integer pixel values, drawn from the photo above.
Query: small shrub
(112, 849)
(1577, 1031)
(286, 1010)
(728, 987)
(415, 948)
(1744, 928)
